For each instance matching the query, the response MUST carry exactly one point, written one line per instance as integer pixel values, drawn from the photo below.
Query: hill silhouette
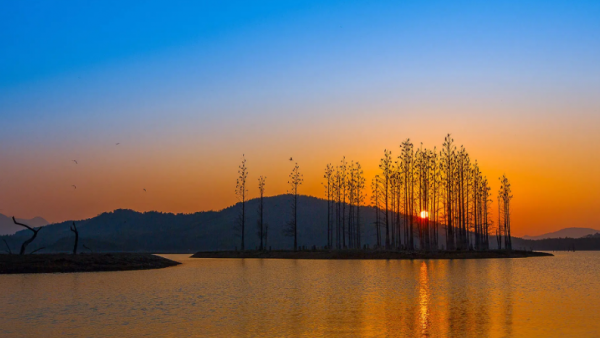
(566, 233)
(125, 230)
(131, 231)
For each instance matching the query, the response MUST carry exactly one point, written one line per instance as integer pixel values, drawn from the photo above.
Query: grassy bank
(49, 263)
(361, 254)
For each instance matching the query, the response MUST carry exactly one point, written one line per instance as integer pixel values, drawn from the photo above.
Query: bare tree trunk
(241, 191)
(74, 229)
(296, 222)
(27, 242)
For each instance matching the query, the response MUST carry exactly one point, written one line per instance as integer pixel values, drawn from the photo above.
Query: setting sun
(424, 214)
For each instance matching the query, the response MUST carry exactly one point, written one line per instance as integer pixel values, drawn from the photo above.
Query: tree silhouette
(343, 193)
(448, 159)
(241, 192)
(386, 166)
(329, 182)
(295, 180)
(33, 236)
(407, 163)
(359, 199)
(74, 229)
(505, 196)
(337, 193)
(375, 202)
(261, 190)
(351, 192)
(436, 183)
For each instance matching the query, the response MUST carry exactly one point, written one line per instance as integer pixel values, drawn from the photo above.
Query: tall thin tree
(241, 191)
(261, 210)
(329, 181)
(386, 165)
(375, 202)
(359, 199)
(448, 169)
(505, 195)
(295, 180)
(76, 232)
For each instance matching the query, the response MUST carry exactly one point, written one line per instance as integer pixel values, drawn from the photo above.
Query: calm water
(535, 297)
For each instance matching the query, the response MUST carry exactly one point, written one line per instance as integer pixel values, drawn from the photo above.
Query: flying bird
(118, 143)
(291, 159)
(75, 161)
(144, 189)
(74, 186)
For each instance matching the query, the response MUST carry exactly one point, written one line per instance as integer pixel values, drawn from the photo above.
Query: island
(52, 263)
(374, 254)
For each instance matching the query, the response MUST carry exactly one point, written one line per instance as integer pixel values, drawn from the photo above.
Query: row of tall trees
(424, 191)
(418, 195)
(344, 187)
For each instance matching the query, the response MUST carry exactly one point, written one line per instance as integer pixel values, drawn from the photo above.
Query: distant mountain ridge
(565, 233)
(7, 227)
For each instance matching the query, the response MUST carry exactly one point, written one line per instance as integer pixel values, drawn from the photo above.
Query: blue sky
(59, 60)
(44, 39)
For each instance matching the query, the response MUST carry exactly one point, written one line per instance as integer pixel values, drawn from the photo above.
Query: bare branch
(27, 242)
(36, 250)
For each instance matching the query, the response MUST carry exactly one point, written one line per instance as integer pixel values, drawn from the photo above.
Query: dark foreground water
(532, 297)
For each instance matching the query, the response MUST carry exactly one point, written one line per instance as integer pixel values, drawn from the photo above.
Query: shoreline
(84, 262)
(360, 254)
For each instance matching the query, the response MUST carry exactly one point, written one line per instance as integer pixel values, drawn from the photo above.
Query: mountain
(7, 227)
(131, 231)
(565, 233)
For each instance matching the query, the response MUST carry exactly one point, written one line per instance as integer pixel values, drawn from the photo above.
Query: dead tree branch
(74, 229)
(27, 242)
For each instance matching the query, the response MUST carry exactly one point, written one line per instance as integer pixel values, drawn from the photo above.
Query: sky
(187, 87)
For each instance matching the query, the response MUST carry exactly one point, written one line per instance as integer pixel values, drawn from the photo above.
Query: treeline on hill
(590, 242)
(414, 194)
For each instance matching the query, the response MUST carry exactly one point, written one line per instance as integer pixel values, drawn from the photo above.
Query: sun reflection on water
(424, 299)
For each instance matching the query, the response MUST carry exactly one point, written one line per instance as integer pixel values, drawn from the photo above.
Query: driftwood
(27, 242)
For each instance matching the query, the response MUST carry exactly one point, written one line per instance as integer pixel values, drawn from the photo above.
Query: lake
(527, 297)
